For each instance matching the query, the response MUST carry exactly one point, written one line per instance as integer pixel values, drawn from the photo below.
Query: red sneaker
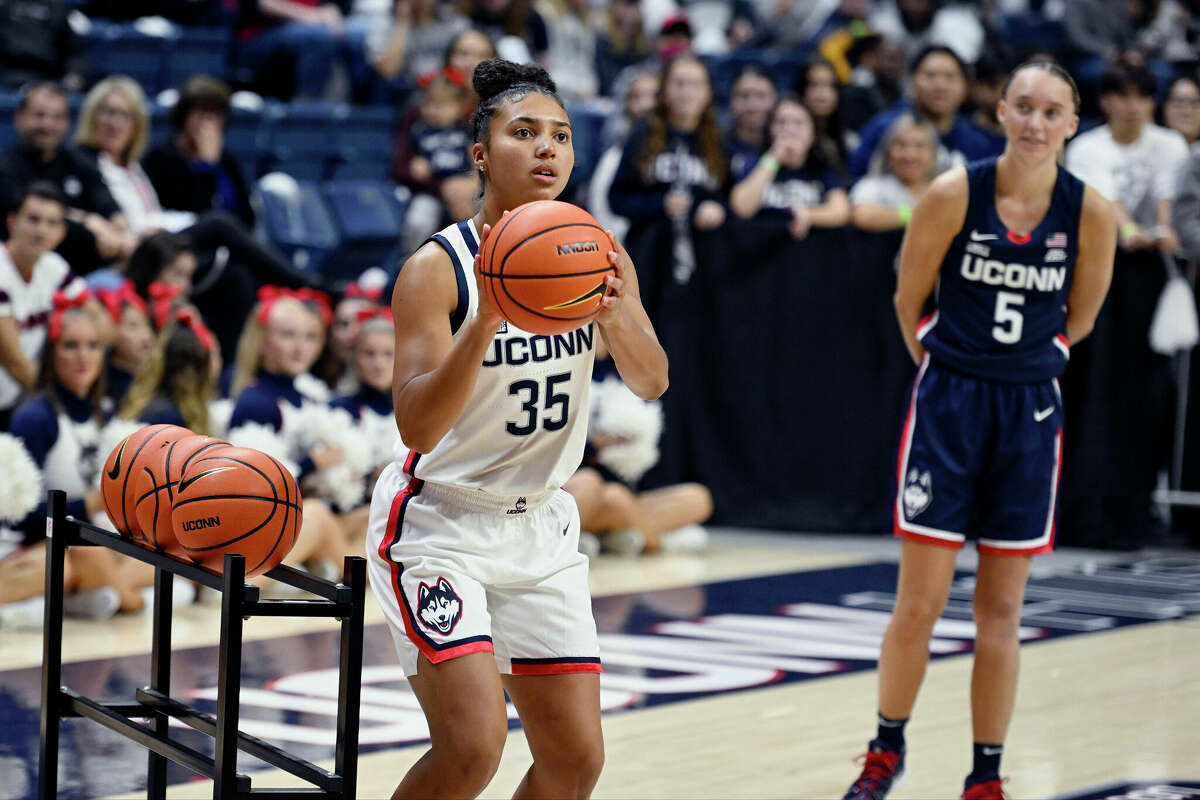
(882, 769)
(988, 790)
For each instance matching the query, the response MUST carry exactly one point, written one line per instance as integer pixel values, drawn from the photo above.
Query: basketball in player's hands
(237, 500)
(141, 447)
(544, 266)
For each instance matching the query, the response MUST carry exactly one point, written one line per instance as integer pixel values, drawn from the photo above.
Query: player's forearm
(908, 314)
(428, 405)
(637, 353)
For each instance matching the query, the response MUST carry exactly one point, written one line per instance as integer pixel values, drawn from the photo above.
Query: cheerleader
(133, 341)
(283, 410)
(58, 430)
(175, 384)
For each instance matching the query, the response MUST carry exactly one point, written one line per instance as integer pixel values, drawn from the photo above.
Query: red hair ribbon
(318, 301)
(63, 304)
(115, 300)
(356, 292)
(383, 312)
(455, 76)
(188, 317)
(162, 298)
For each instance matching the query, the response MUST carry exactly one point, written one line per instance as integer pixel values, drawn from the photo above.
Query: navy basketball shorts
(460, 571)
(979, 459)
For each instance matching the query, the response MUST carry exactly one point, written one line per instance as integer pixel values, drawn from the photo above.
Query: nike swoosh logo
(566, 529)
(991, 751)
(186, 482)
(976, 236)
(583, 298)
(116, 468)
(1038, 416)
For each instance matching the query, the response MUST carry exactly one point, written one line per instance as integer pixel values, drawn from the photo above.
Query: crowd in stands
(140, 280)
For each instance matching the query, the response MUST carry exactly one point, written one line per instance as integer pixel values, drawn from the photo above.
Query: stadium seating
(295, 217)
(370, 219)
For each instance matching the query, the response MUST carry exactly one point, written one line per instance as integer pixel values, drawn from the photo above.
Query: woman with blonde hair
(282, 409)
(175, 384)
(903, 167)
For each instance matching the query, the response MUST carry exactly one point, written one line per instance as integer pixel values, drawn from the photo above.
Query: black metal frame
(239, 601)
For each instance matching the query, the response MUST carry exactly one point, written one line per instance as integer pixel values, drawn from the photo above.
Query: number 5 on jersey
(1008, 319)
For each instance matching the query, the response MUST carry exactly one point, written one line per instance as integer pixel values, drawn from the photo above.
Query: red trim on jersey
(1017, 238)
(1064, 340)
(391, 535)
(565, 668)
(410, 463)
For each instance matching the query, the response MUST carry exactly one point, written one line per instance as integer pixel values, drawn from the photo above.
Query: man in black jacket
(96, 232)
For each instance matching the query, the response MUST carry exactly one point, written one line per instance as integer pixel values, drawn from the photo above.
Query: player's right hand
(488, 314)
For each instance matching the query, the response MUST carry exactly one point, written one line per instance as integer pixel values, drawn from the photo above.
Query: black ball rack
(153, 703)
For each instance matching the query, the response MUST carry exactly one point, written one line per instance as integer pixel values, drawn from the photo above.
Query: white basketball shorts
(460, 571)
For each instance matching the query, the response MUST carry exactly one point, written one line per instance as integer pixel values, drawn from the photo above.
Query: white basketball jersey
(523, 430)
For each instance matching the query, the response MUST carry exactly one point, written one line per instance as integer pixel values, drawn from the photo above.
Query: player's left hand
(610, 304)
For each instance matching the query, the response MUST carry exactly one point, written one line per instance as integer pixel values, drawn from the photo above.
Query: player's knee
(997, 616)
(577, 764)
(475, 755)
(915, 617)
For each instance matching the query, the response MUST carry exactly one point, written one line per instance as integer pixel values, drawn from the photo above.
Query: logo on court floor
(918, 492)
(440, 606)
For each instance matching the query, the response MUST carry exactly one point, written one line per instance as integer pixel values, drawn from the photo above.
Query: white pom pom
(618, 412)
(219, 414)
(312, 388)
(21, 490)
(263, 437)
(1174, 326)
(380, 434)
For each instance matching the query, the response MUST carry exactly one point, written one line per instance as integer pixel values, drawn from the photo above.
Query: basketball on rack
(236, 500)
(141, 447)
(154, 488)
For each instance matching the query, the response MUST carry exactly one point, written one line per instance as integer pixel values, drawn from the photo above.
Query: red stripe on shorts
(555, 669)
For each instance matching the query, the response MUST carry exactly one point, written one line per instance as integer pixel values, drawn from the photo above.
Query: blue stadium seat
(197, 50)
(370, 217)
(297, 219)
(587, 125)
(243, 140)
(374, 170)
(366, 134)
(119, 49)
(301, 132)
(160, 125)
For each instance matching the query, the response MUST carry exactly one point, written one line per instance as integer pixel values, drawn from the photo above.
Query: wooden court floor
(1101, 705)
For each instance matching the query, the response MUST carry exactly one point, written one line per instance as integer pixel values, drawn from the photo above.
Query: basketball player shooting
(472, 545)
(1021, 253)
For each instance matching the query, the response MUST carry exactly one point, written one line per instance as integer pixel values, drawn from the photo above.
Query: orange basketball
(116, 481)
(237, 500)
(544, 266)
(154, 489)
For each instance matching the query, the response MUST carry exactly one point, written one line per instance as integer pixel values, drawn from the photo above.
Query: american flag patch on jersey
(1057, 240)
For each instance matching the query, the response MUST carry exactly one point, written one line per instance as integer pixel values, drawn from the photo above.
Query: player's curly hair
(498, 81)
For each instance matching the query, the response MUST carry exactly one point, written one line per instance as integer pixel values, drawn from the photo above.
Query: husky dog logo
(518, 507)
(440, 606)
(918, 492)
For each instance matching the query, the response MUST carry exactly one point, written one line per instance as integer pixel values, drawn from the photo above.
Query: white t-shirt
(30, 303)
(1136, 175)
(134, 193)
(884, 190)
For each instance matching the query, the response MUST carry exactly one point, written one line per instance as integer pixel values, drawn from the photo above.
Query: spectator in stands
(132, 342)
(883, 200)
(372, 352)
(356, 300)
(1103, 32)
(175, 384)
(1181, 108)
(37, 43)
(622, 43)
(192, 172)
(432, 157)
(918, 24)
(820, 91)
(640, 99)
(113, 130)
(421, 33)
(1185, 215)
(877, 71)
(750, 102)
(939, 79)
(165, 258)
(467, 50)
(1134, 163)
(986, 89)
(792, 179)
(59, 428)
(518, 29)
(31, 276)
(571, 58)
(305, 34)
(96, 231)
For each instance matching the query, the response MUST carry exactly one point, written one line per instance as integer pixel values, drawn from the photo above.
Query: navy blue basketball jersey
(1002, 298)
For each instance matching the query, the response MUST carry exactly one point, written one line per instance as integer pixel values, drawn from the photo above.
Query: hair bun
(496, 75)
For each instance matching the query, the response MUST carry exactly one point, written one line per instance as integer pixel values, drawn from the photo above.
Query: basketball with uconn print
(544, 266)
